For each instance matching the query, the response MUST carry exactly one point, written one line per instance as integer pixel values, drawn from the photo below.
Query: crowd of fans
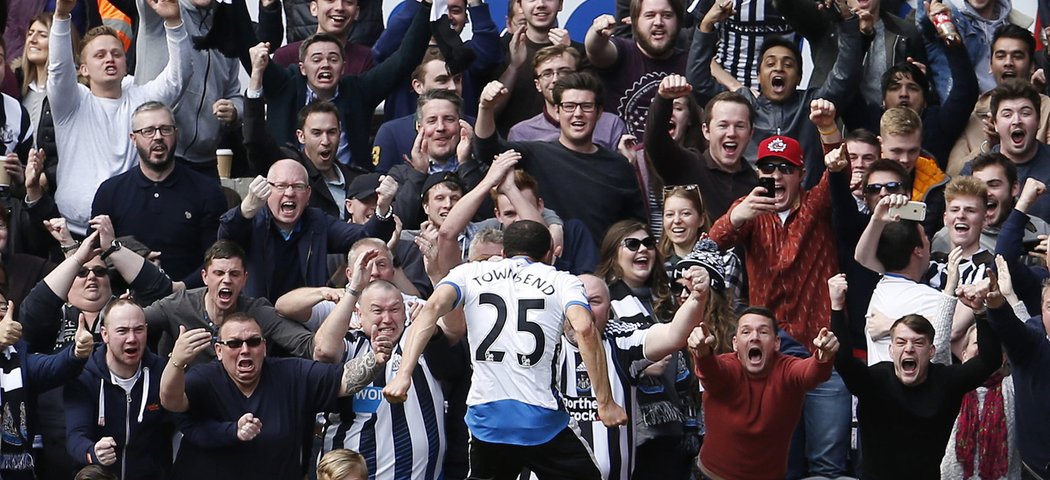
(207, 279)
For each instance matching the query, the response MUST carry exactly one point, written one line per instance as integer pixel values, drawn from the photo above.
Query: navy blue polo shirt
(178, 216)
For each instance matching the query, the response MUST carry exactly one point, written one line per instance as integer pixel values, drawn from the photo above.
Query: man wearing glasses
(91, 121)
(164, 204)
(552, 63)
(288, 242)
(263, 416)
(573, 173)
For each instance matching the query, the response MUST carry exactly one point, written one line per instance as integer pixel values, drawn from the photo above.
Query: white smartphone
(912, 211)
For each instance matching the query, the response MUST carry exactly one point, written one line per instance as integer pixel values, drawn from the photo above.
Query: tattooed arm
(359, 372)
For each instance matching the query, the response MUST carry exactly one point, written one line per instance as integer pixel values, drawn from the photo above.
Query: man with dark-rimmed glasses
(573, 173)
(166, 205)
(288, 242)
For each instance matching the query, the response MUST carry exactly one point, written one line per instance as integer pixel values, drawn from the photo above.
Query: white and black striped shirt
(742, 36)
(613, 448)
(397, 440)
(971, 270)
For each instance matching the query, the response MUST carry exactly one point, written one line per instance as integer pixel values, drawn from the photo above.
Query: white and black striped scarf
(662, 400)
(14, 438)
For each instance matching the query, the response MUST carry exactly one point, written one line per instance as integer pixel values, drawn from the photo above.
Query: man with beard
(631, 69)
(91, 120)
(166, 205)
(1017, 113)
(211, 100)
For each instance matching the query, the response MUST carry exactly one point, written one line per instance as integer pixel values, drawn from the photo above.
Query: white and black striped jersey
(398, 441)
(742, 36)
(613, 448)
(16, 131)
(514, 309)
(971, 270)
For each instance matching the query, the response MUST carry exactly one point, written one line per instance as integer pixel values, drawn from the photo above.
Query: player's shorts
(566, 456)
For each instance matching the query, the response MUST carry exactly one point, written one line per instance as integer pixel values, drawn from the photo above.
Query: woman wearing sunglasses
(667, 392)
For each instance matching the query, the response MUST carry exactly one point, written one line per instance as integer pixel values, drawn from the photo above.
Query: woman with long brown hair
(685, 228)
(31, 70)
(665, 435)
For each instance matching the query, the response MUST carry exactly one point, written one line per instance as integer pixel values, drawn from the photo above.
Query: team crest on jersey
(395, 362)
(583, 381)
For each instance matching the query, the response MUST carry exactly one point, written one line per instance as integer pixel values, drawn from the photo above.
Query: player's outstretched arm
(593, 354)
(422, 329)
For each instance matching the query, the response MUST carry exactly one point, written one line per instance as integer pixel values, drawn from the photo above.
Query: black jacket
(263, 152)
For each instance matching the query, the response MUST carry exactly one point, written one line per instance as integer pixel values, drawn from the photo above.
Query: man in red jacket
(753, 396)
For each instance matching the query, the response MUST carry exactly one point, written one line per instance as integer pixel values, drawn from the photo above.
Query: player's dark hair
(526, 237)
(898, 241)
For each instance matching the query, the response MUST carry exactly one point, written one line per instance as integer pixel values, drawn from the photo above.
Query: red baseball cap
(782, 147)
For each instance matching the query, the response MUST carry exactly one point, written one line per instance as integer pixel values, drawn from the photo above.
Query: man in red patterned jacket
(790, 249)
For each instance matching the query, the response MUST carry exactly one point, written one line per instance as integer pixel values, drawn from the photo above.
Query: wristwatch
(113, 247)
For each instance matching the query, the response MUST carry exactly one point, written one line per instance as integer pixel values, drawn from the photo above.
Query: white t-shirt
(895, 297)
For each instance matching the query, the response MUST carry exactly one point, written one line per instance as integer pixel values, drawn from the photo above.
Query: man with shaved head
(288, 242)
(118, 376)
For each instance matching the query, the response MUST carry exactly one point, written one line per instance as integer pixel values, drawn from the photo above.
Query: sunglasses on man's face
(633, 244)
(891, 187)
(236, 343)
(98, 270)
(769, 168)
